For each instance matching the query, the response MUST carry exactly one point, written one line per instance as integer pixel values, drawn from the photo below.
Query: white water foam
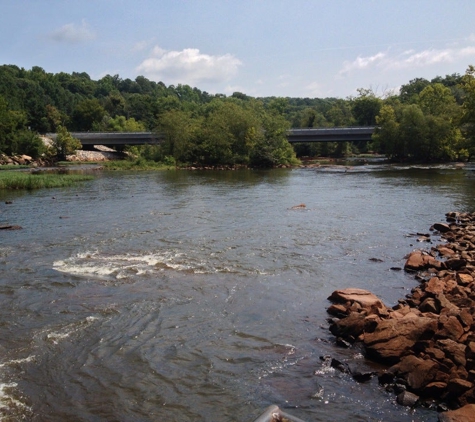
(10, 405)
(56, 336)
(94, 263)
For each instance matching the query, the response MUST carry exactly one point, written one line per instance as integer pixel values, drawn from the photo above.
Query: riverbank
(428, 338)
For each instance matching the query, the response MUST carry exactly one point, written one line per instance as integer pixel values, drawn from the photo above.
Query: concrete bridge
(334, 134)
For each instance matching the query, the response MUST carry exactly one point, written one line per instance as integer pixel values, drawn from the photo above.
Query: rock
(454, 350)
(407, 398)
(10, 227)
(455, 264)
(434, 389)
(450, 327)
(444, 251)
(394, 337)
(429, 305)
(464, 414)
(364, 298)
(464, 279)
(435, 286)
(456, 387)
(418, 261)
(441, 227)
(337, 310)
(470, 350)
(350, 327)
(429, 336)
(417, 372)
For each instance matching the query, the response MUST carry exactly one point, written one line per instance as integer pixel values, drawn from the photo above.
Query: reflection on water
(201, 296)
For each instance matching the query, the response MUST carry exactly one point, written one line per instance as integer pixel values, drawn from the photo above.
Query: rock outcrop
(428, 338)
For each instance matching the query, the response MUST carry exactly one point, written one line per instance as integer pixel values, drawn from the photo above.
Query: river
(202, 295)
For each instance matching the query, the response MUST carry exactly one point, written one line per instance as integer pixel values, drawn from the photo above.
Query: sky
(282, 48)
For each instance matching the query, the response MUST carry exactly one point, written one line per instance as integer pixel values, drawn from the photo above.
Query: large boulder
(392, 338)
(418, 261)
(417, 372)
(464, 414)
(363, 298)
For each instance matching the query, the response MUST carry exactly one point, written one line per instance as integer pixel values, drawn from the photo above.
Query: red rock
(444, 251)
(455, 264)
(337, 310)
(464, 414)
(434, 353)
(417, 372)
(418, 261)
(464, 279)
(470, 350)
(393, 337)
(434, 389)
(454, 350)
(366, 299)
(457, 387)
(350, 327)
(435, 285)
(441, 227)
(429, 305)
(450, 328)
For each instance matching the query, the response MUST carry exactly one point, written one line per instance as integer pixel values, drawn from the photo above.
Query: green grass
(13, 167)
(138, 164)
(25, 180)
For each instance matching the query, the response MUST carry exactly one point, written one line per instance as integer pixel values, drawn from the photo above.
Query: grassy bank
(29, 181)
(137, 164)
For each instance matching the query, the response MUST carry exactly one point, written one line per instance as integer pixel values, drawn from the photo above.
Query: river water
(202, 296)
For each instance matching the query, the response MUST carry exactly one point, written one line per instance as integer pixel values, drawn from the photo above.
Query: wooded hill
(427, 121)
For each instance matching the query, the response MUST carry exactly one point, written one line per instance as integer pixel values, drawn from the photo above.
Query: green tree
(467, 118)
(366, 107)
(121, 124)
(12, 123)
(340, 114)
(88, 115)
(437, 100)
(64, 143)
(179, 130)
(410, 91)
(271, 147)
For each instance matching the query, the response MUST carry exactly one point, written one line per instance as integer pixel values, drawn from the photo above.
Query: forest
(426, 121)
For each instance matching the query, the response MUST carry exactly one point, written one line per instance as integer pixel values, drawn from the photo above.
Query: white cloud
(407, 59)
(314, 89)
(189, 66)
(74, 33)
(362, 63)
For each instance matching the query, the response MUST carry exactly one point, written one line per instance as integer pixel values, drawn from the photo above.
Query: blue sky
(295, 48)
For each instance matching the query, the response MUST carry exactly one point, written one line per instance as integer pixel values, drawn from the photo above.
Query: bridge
(334, 134)
(89, 139)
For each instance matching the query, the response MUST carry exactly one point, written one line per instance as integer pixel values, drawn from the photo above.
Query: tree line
(426, 121)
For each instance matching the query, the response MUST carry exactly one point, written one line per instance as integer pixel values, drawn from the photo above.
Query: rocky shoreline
(428, 338)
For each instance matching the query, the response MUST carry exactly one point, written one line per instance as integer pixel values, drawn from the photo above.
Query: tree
(271, 147)
(467, 119)
(180, 131)
(64, 143)
(409, 92)
(436, 99)
(121, 124)
(366, 107)
(88, 114)
(340, 114)
(12, 128)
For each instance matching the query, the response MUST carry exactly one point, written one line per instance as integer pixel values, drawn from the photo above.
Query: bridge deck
(335, 134)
